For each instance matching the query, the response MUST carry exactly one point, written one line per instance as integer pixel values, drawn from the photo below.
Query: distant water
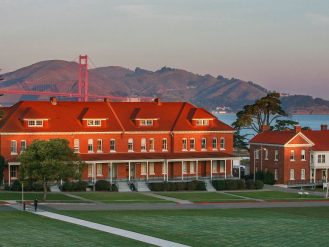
(312, 121)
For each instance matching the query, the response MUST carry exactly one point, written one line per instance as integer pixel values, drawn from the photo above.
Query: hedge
(237, 184)
(177, 186)
(74, 186)
(28, 186)
(103, 185)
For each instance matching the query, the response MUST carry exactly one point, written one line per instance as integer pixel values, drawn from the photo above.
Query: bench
(325, 185)
(301, 193)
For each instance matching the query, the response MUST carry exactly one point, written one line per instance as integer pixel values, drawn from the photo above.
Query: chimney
(324, 127)
(53, 100)
(157, 101)
(106, 100)
(264, 128)
(298, 128)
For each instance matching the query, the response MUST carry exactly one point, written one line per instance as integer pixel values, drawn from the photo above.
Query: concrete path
(112, 230)
(79, 198)
(243, 197)
(167, 198)
(290, 190)
(168, 206)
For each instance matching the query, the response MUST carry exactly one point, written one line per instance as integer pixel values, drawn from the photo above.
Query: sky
(282, 45)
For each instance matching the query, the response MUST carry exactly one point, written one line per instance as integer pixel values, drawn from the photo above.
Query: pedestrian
(24, 206)
(35, 204)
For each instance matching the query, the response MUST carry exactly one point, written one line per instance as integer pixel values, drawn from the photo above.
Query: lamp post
(261, 160)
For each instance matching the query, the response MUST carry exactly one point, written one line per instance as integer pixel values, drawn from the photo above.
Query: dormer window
(146, 122)
(202, 122)
(94, 122)
(35, 123)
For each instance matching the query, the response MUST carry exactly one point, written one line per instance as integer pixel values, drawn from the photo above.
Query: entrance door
(203, 169)
(114, 171)
(132, 171)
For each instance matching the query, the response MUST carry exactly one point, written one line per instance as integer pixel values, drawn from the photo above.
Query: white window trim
(184, 140)
(143, 145)
(276, 155)
(101, 142)
(152, 149)
(11, 151)
(192, 149)
(192, 164)
(202, 148)
(113, 150)
(301, 174)
(131, 141)
(290, 177)
(294, 156)
(220, 143)
(23, 141)
(166, 149)
(94, 122)
(151, 171)
(143, 171)
(214, 148)
(92, 145)
(97, 171)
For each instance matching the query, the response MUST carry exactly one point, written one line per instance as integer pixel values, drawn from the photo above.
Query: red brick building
(124, 140)
(293, 156)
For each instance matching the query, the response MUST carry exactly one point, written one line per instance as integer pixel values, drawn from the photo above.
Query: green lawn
(274, 195)
(202, 196)
(223, 227)
(51, 196)
(26, 229)
(117, 197)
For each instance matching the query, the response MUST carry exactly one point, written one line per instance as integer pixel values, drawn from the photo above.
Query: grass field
(275, 195)
(117, 197)
(51, 196)
(26, 229)
(202, 196)
(224, 227)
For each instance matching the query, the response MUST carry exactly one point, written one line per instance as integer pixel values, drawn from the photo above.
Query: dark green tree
(2, 167)
(264, 111)
(240, 141)
(282, 124)
(48, 161)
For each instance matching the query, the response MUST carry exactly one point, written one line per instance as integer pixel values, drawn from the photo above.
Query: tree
(282, 124)
(239, 140)
(48, 161)
(264, 111)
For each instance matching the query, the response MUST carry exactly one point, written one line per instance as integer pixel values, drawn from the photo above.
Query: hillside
(166, 83)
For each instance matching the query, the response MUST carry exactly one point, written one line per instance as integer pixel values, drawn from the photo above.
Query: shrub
(174, 186)
(200, 185)
(219, 184)
(266, 177)
(180, 186)
(16, 186)
(250, 184)
(231, 184)
(114, 188)
(259, 184)
(102, 185)
(191, 185)
(241, 184)
(74, 186)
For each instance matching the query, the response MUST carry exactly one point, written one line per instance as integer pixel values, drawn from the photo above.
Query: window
(324, 174)
(214, 166)
(151, 168)
(214, 143)
(90, 170)
(184, 167)
(184, 144)
(257, 154)
(164, 144)
(292, 155)
(146, 122)
(192, 144)
(112, 145)
(276, 155)
(23, 146)
(275, 174)
(222, 166)
(143, 168)
(99, 170)
(202, 122)
(302, 155)
(222, 143)
(90, 145)
(151, 142)
(164, 168)
(130, 145)
(192, 167)
(143, 145)
(99, 145)
(266, 154)
(312, 158)
(13, 171)
(94, 122)
(321, 158)
(292, 174)
(302, 174)
(13, 147)
(35, 123)
(76, 145)
(203, 143)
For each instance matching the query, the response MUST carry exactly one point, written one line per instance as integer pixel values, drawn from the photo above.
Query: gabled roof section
(32, 113)
(320, 138)
(95, 113)
(142, 113)
(184, 123)
(285, 137)
(200, 113)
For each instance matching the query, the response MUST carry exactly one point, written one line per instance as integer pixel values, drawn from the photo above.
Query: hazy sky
(281, 44)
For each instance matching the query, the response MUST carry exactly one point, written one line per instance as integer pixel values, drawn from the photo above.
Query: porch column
(164, 170)
(314, 178)
(167, 170)
(9, 178)
(94, 175)
(231, 168)
(210, 169)
(327, 176)
(182, 172)
(197, 169)
(129, 171)
(225, 169)
(311, 175)
(147, 170)
(111, 173)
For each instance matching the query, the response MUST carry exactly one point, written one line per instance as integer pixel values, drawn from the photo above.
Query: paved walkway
(290, 190)
(112, 230)
(243, 197)
(167, 198)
